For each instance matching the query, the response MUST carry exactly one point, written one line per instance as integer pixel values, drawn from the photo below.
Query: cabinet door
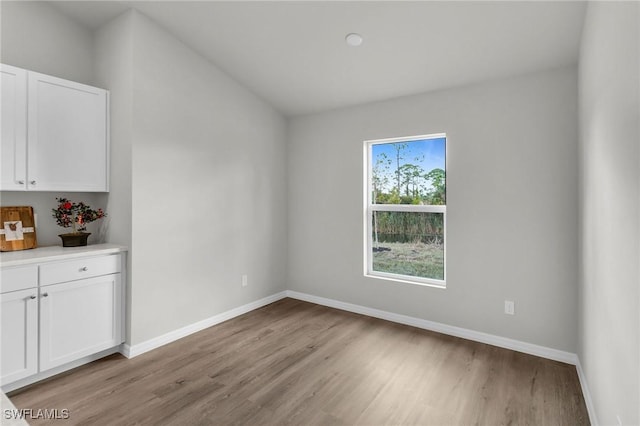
(19, 335)
(79, 318)
(13, 125)
(67, 135)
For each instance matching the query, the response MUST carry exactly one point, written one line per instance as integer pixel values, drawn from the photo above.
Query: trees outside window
(406, 209)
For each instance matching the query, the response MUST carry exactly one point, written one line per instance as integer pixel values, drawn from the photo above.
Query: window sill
(425, 282)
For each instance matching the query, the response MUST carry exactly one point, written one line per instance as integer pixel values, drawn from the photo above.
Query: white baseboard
(591, 409)
(490, 339)
(131, 351)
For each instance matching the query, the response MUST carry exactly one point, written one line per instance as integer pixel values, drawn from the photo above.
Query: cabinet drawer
(77, 269)
(18, 278)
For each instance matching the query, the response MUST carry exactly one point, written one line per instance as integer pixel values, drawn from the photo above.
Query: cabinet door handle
(84, 269)
(32, 182)
(20, 182)
(45, 294)
(33, 296)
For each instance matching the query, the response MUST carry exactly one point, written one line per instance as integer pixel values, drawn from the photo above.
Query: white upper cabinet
(66, 144)
(67, 135)
(13, 125)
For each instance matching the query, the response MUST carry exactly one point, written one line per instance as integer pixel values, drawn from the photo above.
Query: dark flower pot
(74, 240)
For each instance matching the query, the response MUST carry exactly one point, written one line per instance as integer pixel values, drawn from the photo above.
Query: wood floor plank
(297, 363)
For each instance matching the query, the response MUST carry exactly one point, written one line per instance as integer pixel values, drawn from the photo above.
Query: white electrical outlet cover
(509, 307)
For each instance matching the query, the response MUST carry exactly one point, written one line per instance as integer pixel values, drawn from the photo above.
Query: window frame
(370, 207)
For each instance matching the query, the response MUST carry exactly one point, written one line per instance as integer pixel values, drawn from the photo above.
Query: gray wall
(38, 37)
(113, 56)
(198, 172)
(35, 36)
(609, 347)
(208, 187)
(512, 187)
(114, 69)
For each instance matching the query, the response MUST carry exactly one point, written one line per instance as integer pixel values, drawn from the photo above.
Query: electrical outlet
(245, 280)
(619, 420)
(509, 307)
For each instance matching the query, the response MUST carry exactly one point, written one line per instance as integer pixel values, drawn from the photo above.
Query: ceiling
(293, 54)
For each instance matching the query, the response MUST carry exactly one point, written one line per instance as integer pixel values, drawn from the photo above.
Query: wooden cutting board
(17, 228)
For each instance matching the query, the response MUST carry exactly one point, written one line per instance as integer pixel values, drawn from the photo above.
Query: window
(405, 209)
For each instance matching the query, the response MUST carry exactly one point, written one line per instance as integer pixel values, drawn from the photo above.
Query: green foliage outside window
(409, 173)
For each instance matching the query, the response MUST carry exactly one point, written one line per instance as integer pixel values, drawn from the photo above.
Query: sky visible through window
(425, 154)
(408, 243)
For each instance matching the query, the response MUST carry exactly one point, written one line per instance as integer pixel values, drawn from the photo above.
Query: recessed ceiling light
(353, 39)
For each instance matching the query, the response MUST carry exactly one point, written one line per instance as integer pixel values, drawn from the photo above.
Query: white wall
(35, 36)
(609, 347)
(512, 186)
(114, 69)
(198, 171)
(113, 56)
(208, 188)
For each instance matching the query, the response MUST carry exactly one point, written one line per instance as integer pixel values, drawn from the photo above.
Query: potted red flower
(75, 215)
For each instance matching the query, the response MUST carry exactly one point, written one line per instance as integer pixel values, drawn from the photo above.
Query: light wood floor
(294, 362)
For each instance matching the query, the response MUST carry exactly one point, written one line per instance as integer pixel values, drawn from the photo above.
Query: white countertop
(44, 254)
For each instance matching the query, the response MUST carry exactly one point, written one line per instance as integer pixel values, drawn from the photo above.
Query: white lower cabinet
(54, 313)
(19, 334)
(79, 318)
